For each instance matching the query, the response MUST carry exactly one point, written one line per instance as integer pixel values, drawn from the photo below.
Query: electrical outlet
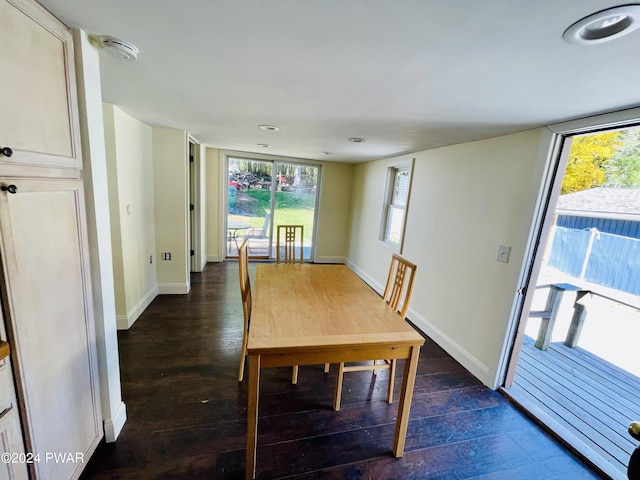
(166, 256)
(503, 253)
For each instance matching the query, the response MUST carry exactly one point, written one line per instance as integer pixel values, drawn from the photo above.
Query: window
(396, 201)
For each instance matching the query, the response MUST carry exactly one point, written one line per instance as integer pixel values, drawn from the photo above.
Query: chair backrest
(265, 225)
(288, 235)
(245, 282)
(399, 287)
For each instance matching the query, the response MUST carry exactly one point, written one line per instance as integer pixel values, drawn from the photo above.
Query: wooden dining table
(315, 314)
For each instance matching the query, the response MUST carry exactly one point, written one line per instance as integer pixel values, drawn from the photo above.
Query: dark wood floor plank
(187, 412)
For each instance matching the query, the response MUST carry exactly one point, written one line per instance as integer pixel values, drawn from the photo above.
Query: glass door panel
(256, 204)
(249, 206)
(295, 200)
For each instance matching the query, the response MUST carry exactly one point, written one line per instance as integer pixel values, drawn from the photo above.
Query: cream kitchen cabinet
(13, 464)
(46, 294)
(47, 310)
(39, 121)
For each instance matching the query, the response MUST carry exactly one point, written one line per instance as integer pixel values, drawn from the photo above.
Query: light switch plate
(503, 253)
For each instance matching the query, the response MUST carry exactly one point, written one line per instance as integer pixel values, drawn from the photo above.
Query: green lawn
(291, 209)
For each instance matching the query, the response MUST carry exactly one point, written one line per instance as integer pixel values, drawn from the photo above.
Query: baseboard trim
(173, 288)
(113, 426)
(364, 276)
(124, 322)
(213, 258)
(468, 361)
(340, 260)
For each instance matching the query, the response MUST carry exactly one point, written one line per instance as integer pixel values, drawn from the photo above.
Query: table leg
(252, 416)
(406, 395)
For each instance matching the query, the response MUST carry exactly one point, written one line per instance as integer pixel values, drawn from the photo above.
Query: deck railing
(597, 257)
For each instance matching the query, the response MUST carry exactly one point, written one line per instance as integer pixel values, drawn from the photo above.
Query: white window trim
(392, 168)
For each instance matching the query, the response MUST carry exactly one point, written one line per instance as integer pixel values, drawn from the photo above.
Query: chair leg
(392, 377)
(294, 375)
(243, 355)
(338, 393)
(326, 367)
(375, 370)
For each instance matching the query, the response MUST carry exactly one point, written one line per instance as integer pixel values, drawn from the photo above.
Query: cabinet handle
(9, 188)
(6, 151)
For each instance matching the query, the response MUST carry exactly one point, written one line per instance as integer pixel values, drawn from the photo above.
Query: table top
(237, 226)
(297, 307)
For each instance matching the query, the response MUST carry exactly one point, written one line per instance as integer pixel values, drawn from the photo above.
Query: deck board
(582, 395)
(597, 393)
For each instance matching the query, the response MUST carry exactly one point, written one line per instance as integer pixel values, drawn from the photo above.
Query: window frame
(393, 169)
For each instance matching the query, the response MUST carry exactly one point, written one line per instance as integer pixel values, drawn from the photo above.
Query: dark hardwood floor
(187, 412)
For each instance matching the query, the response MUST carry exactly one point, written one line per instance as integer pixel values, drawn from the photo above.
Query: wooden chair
(288, 235)
(397, 295)
(245, 293)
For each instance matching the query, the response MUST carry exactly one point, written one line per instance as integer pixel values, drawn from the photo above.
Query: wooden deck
(584, 399)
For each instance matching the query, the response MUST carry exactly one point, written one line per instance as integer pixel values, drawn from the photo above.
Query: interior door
(193, 235)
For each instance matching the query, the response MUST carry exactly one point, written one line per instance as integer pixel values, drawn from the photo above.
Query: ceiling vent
(118, 48)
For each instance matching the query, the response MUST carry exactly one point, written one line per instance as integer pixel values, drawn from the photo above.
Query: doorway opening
(262, 194)
(574, 363)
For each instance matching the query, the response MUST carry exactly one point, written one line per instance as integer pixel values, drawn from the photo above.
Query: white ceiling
(406, 75)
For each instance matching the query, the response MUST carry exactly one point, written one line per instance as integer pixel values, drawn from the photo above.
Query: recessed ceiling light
(356, 139)
(118, 48)
(604, 26)
(264, 145)
(270, 128)
(327, 153)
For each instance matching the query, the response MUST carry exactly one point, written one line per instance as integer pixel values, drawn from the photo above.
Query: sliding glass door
(262, 194)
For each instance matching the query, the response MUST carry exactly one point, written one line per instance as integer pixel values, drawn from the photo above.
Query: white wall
(212, 188)
(114, 413)
(466, 200)
(171, 186)
(333, 213)
(131, 193)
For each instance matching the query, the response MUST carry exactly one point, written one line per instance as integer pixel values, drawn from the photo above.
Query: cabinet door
(39, 120)
(11, 444)
(10, 431)
(49, 316)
